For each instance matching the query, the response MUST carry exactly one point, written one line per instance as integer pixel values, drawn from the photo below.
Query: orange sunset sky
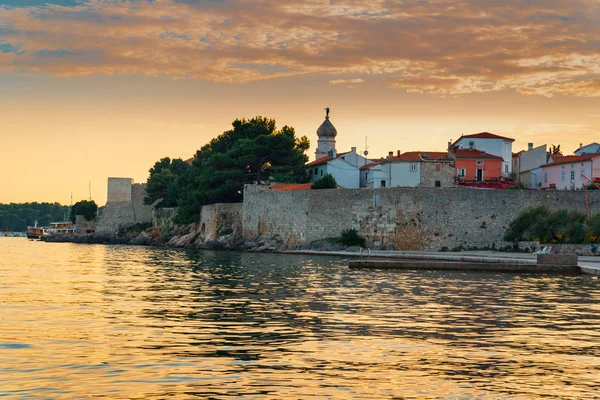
(99, 88)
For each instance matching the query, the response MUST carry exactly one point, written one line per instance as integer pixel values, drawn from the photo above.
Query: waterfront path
(589, 264)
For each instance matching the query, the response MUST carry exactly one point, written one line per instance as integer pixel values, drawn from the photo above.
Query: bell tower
(326, 134)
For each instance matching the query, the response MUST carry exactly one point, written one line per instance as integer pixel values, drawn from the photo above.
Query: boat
(55, 228)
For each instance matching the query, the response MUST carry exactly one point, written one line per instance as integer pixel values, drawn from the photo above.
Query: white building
(530, 166)
(489, 143)
(408, 170)
(592, 148)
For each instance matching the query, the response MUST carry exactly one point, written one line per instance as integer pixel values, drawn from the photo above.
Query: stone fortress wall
(397, 218)
(124, 206)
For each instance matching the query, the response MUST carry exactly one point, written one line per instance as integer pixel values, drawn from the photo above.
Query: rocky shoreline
(189, 238)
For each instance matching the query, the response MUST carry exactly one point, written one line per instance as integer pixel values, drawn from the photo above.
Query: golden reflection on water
(116, 322)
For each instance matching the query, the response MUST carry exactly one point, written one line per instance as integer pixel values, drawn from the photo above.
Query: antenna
(90, 190)
(366, 152)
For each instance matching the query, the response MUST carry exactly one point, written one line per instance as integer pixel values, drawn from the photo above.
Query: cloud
(439, 47)
(350, 82)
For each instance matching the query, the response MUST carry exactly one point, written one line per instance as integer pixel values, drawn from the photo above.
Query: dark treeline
(15, 217)
(252, 150)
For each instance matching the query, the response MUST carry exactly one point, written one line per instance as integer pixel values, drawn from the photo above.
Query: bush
(326, 182)
(561, 226)
(524, 225)
(350, 237)
(88, 209)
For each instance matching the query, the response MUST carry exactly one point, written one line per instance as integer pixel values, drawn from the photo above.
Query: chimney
(529, 146)
(398, 153)
(390, 154)
(353, 149)
(331, 154)
(449, 144)
(580, 145)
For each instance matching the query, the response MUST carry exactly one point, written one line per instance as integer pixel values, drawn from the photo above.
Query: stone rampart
(163, 217)
(217, 220)
(120, 214)
(119, 190)
(397, 218)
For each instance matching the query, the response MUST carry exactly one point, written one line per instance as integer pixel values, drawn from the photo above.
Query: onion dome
(326, 129)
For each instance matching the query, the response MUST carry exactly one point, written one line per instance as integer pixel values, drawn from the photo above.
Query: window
(462, 172)
(438, 167)
(506, 168)
(438, 184)
(562, 174)
(316, 171)
(413, 167)
(479, 162)
(383, 183)
(572, 175)
(545, 177)
(321, 172)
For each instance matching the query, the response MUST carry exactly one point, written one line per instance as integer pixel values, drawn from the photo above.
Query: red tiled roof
(474, 153)
(370, 165)
(420, 155)
(324, 159)
(292, 186)
(189, 161)
(570, 159)
(483, 135)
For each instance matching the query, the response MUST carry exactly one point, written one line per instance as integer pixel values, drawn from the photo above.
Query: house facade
(491, 144)
(570, 172)
(473, 165)
(592, 148)
(530, 166)
(411, 169)
(344, 167)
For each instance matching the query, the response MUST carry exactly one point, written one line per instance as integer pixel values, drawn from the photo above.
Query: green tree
(15, 217)
(165, 182)
(250, 151)
(326, 182)
(88, 209)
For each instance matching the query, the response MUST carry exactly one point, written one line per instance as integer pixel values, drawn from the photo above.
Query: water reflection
(132, 322)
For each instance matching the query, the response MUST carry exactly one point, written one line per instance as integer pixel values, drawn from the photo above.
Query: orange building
(474, 165)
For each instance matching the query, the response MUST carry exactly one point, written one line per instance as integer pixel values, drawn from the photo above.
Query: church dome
(326, 129)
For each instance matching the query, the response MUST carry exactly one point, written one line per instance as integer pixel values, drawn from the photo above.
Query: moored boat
(55, 228)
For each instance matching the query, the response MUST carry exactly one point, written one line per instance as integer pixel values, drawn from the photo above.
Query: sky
(91, 89)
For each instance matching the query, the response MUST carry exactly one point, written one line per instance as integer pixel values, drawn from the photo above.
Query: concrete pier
(481, 265)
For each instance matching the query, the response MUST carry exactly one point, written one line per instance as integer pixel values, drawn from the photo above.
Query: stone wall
(217, 220)
(163, 218)
(143, 212)
(120, 214)
(119, 190)
(83, 225)
(432, 171)
(397, 218)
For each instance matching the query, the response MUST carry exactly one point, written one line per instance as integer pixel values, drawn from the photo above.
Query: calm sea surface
(80, 321)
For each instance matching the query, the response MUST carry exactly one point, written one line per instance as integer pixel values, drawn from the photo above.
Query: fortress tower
(326, 134)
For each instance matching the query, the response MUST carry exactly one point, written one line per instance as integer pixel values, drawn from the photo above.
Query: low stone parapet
(567, 260)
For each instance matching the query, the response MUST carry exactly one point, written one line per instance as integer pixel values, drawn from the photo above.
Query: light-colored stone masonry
(398, 218)
(119, 213)
(221, 219)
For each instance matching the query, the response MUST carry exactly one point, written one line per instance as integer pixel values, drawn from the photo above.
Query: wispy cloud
(349, 82)
(439, 47)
